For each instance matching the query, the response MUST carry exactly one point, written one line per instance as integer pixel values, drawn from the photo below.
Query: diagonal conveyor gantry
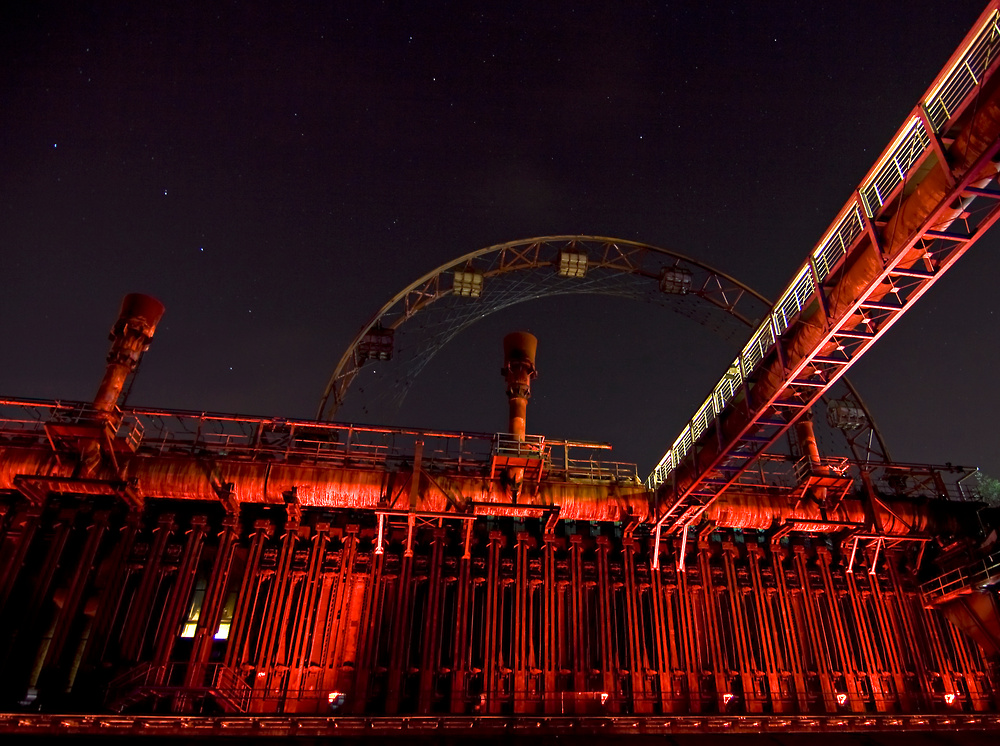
(931, 194)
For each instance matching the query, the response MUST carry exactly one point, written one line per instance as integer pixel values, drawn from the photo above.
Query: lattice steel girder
(913, 172)
(473, 277)
(883, 273)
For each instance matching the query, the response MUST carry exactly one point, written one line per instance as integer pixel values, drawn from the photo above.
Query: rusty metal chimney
(130, 337)
(806, 434)
(518, 370)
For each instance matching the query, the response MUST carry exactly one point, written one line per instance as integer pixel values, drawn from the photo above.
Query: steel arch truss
(457, 294)
(419, 320)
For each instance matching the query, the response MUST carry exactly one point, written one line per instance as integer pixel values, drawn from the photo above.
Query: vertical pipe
(25, 644)
(847, 665)
(743, 631)
(111, 580)
(579, 622)
(369, 633)
(463, 612)
(275, 612)
(638, 666)
(666, 635)
(429, 650)
(796, 640)
(816, 632)
(865, 635)
(719, 663)
(400, 628)
(606, 627)
(903, 638)
(770, 648)
(940, 660)
(491, 630)
(305, 622)
(238, 644)
(687, 598)
(521, 630)
(215, 597)
(346, 610)
(178, 598)
(14, 549)
(139, 613)
(551, 623)
(81, 573)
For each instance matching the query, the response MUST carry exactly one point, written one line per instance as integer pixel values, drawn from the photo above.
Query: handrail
(940, 105)
(979, 573)
(171, 432)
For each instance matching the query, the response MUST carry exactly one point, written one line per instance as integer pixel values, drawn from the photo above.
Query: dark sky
(274, 172)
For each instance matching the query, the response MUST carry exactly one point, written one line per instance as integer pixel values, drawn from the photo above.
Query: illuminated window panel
(226, 620)
(194, 611)
(572, 264)
(468, 284)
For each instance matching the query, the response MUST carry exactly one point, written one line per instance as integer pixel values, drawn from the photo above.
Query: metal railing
(530, 446)
(174, 432)
(905, 151)
(214, 679)
(979, 574)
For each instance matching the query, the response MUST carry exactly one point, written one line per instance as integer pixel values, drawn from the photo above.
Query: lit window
(226, 621)
(194, 611)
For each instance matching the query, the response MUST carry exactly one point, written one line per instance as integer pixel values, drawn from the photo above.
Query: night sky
(275, 172)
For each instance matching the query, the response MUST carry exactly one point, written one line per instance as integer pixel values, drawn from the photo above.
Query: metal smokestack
(518, 370)
(806, 434)
(130, 336)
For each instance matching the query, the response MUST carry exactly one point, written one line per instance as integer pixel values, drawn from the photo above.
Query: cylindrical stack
(518, 370)
(129, 337)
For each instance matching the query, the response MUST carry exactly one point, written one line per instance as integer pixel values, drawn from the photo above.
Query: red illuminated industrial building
(174, 572)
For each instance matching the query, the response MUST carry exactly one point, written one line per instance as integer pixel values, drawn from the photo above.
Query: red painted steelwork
(901, 252)
(130, 336)
(329, 486)
(518, 369)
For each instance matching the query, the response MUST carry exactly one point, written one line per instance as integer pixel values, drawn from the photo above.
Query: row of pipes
(473, 617)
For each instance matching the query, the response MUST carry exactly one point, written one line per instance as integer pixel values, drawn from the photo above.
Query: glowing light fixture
(949, 699)
(468, 284)
(335, 699)
(572, 263)
(841, 699)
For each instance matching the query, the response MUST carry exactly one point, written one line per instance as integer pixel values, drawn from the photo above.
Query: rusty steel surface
(130, 336)
(937, 205)
(213, 574)
(269, 482)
